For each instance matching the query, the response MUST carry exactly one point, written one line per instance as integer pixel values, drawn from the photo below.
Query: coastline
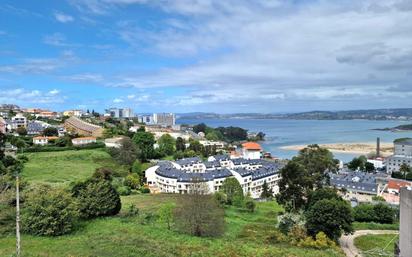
(361, 148)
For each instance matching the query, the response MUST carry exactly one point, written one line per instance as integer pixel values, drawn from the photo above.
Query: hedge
(36, 149)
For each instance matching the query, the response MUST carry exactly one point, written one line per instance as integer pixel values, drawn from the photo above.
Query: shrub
(145, 190)
(132, 211)
(233, 190)
(96, 198)
(132, 180)
(49, 212)
(321, 242)
(287, 221)
(124, 190)
(380, 213)
(250, 205)
(297, 233)
(378, 198)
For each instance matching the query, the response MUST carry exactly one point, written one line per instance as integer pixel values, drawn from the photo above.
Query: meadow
(247, 234)
(61, 168)
(376, 245)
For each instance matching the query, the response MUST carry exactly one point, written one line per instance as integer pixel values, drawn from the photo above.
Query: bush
(250, 205)
(145, 190)
(124, 190)
(49, 212)
(132, 181)
(321, 242)
(287, 221)
(96, 198)
(380, 213)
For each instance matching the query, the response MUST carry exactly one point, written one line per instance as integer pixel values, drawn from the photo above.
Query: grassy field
(376, 245)
(375, 226)
(66, 166)
(120, 236)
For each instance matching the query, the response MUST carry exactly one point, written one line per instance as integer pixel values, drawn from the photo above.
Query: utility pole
(17, 216)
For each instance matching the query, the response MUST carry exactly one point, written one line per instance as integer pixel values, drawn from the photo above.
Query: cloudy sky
(220, 56)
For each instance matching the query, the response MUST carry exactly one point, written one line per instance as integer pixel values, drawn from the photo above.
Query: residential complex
(176, 177)
(78, 126)
(77, 113)
(18, 121)
(402, 154)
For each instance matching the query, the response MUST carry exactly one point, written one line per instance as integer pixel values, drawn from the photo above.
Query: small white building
(115, 142)
(83, 140)
(251, 151)
(378, 162)
(217, 144)
(42, 140)
(18, 121)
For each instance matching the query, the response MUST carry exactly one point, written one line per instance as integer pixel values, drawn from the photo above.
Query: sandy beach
(361, 148)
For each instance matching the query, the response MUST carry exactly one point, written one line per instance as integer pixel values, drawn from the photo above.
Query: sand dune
(353, 148)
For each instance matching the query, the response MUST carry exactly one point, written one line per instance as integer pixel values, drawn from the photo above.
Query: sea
(304, 132)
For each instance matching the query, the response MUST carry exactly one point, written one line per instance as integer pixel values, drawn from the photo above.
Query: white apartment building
(164, 119)
(83, 140)
(18, 121)
(402, 154)
(176, 177)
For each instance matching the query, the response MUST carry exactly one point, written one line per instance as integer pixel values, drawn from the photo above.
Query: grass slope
(374, 245)
(66, 166)
(126, 237)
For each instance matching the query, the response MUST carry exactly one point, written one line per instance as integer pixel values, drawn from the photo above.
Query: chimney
(378, 147)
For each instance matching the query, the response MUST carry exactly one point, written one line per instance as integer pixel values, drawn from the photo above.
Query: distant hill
(375, 114)
(406, 127)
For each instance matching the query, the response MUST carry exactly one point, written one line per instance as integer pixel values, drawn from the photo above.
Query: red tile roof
(397, 184)
(251, 146)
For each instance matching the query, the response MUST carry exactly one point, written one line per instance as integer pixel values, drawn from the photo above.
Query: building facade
(251, 151)
(120, 113)
(405, 227)
(18, 121)
(78, 126)
(164, 119)
(83, 140)
(402, 154)
(3, 126)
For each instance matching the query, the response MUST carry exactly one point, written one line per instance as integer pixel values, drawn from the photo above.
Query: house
(76, 113)
(3, 125)
(47, 114)
(114, 142)
(251, 150)
(394, 185)
(43, 140)
(18, 121)
(83, 140)
(34, 128)
(78, 126)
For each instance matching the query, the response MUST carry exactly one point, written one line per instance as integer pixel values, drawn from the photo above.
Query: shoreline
(361, 148)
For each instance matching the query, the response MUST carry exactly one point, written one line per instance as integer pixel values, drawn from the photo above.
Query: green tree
(358, 163)
(49, 212)
(200, 128)
(293, 186)
(167, 144)
(331, 217)
(145, 142)
(233, 190)
(369, 167)
(317, 161)
(321, 194)
(266, 191)
(2, 145)
(250, 205)
(404, 170)
(50, 131)
(127, 153)
(97, 197)
(180, 144)
(165, 214)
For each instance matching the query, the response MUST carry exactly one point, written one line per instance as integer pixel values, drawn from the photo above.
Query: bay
(304, 132)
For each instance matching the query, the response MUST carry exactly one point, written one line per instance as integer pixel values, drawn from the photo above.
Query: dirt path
(347, 242)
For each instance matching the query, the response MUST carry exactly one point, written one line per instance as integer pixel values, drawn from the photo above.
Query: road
(348, 245)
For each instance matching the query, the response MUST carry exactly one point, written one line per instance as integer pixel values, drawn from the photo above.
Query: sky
(223, 56)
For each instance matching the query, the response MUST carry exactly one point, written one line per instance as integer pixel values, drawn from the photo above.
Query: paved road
(347, 242)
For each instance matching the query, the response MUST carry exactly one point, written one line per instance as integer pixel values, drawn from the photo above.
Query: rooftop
(251, 146)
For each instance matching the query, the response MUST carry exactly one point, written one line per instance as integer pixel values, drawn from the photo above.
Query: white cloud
(24, 96)
(85, 77)
(118, 100)
(63, 18)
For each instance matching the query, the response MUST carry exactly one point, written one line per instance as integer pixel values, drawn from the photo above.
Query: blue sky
(206, 55)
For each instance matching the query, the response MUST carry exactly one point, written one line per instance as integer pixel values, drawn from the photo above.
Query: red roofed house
(394, 185)
(251, 150)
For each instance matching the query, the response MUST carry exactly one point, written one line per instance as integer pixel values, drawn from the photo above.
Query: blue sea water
(303, 132)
